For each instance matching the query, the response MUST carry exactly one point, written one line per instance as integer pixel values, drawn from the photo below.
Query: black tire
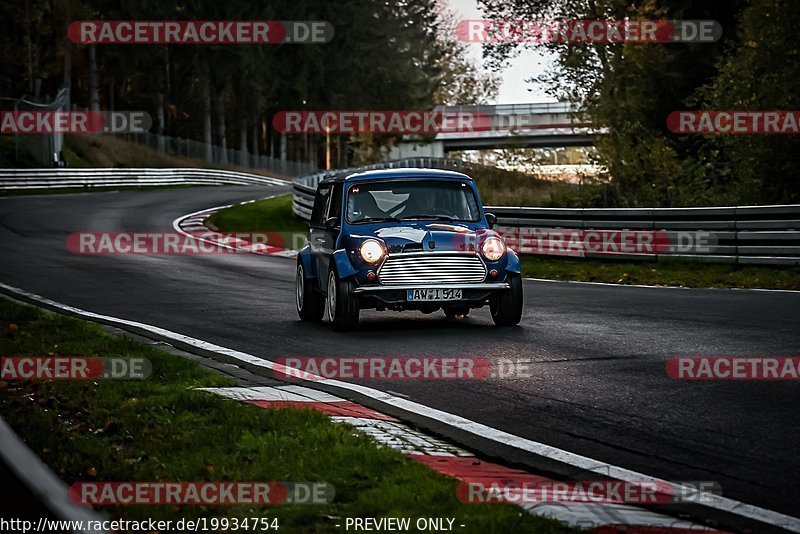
(506, 307)
(342, 302)
(310, 304)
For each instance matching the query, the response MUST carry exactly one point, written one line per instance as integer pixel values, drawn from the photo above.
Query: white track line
(585, 463)
(177, 225)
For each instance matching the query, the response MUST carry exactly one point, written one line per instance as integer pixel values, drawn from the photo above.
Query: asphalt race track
(597, 385)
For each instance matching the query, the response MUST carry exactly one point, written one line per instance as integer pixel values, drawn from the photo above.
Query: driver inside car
(424, 203)
(364, 206)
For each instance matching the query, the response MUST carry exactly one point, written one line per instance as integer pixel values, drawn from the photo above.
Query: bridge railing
(21, 179)
(508, 109)
(755, 235)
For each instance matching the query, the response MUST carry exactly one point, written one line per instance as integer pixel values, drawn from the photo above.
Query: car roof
(383, 174)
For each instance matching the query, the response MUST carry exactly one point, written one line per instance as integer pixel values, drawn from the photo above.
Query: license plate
(433, 294)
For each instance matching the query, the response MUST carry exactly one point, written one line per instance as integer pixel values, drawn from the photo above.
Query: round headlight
(493, 248)
(371, 251)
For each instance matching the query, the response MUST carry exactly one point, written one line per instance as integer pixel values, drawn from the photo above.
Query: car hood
(429, 236)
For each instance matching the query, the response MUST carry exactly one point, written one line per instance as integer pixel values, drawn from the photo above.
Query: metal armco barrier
(765, 235)
(113, 177)
(755, 235)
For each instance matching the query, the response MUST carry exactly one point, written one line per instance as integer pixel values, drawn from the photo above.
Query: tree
(761, 73)
(631, 88)
(462, 81)
(384, 55)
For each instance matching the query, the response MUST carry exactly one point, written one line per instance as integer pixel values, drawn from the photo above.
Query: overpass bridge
(532, 125)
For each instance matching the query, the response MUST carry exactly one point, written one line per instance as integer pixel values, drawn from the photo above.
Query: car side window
(320, 210)
(335, 204)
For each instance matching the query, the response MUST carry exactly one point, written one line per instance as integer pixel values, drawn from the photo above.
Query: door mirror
(491, 218)
(332, 223)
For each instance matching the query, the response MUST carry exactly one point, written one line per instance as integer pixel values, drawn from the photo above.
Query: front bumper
(477, 287)
(395, 296)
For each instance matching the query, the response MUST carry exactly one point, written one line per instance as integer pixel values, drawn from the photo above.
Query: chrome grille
(431, 268)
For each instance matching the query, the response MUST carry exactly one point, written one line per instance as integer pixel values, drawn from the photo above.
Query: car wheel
(342, 302)
(506, 307)
(310, 304)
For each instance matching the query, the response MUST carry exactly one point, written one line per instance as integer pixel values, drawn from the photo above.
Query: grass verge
(268, 215)
(161, 429)
(663, 273)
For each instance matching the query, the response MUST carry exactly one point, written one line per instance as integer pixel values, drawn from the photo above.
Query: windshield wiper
(377, 219)
(424, 216)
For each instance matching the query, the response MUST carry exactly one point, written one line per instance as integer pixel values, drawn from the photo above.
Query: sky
(531, 62)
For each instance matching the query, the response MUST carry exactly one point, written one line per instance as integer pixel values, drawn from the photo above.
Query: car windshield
(408, 200)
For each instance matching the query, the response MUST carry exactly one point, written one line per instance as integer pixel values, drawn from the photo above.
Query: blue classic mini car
(404, 239)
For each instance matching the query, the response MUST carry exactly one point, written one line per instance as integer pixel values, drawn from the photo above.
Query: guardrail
(113, 177)
(216, 154)
(44, 485)
(755, 235)
(763, 235)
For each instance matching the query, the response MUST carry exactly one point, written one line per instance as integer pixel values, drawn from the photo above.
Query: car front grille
(431, 268)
